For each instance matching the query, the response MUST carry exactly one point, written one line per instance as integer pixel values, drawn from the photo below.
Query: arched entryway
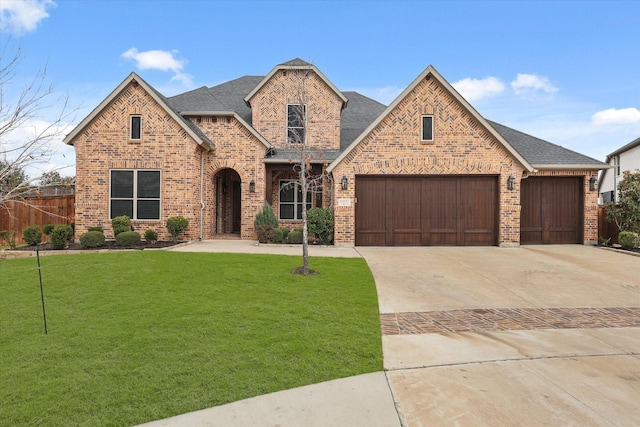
(228, 205)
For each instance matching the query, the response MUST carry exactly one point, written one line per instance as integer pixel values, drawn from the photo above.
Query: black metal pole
(44, 313)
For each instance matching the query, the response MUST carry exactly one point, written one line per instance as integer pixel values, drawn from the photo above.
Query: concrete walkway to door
(529, 336)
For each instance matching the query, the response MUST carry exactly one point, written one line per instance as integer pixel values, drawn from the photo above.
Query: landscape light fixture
(511, 182)
(344, 182)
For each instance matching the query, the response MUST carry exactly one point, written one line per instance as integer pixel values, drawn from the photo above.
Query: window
(136, 127)
(295, 123)
(616, 164)
(135, 193)
(291, 200)
(427, 128)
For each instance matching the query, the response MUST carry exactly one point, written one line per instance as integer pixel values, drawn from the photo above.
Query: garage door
(551, 210)
(426, 211)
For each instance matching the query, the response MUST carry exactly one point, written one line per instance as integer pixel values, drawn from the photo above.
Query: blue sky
(566, 72)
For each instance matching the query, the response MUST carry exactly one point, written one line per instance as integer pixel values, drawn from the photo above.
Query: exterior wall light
(252, 186)
(592, 183)
(511, 182)
(344, 182)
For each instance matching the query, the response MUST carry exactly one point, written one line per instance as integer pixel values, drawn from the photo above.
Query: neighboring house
(426, 170)
(626, 158)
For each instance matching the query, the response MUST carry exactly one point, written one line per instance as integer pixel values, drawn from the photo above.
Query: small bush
(295, 236)
(151, 236)
(60, 235)
(176, 225)
(266, 233)
(266, 216)
(9, 237)
(96, 228)
(92, 239)
(628, 239)
(48, 228)
(279, 236)
(120, 224)
(320, 224)
(128, 238)
(32, 235)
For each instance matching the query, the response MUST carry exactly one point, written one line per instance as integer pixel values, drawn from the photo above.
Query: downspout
(202, 193)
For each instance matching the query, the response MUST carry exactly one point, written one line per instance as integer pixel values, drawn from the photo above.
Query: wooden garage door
(551, 210)
(426, 211)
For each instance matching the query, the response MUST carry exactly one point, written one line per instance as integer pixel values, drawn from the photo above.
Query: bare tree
(303, 157)
(26, 136)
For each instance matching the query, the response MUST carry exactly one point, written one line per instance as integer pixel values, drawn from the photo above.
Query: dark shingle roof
(296, 62)
(539, 152)
(359, 114)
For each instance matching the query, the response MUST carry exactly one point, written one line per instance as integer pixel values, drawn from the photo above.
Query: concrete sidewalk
(253, 247)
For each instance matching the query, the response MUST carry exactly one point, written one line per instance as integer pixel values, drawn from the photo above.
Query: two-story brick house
(426, 170)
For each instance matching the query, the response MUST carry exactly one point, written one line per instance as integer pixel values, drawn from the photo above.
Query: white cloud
(20, 16)
(475, 89)
(530, 84)
(612, 116)
(160, 60)
(385, 95)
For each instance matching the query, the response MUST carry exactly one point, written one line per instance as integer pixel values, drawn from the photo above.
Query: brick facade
(211, 187)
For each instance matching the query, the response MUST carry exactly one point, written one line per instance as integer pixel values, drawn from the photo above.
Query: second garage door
(426, 211)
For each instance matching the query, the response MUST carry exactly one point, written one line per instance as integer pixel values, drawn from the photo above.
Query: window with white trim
(616, 164)
(135, 193)
(135, 127)
(427, 128)
(290, 200)
(296, 116)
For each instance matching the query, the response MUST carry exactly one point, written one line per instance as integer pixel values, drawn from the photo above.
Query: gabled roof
(430, 71)
(627, 147)
(229, 114)
(192, 130)
(295, 64)
(543, 154)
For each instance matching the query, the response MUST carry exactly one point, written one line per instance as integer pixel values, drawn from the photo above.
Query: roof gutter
(572, 167)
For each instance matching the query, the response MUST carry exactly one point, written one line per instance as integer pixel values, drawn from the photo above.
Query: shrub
(48, 228)
(60, 235)
(628, 239)
(9, 237)
(120, 224)
(32, 235)
(92, 239)
(266, 233)
(176, 225)
(295, 236)
(128, 238)
(151, 236)
(266, 216)
(96, 228)
(280, 235)
(320, 224)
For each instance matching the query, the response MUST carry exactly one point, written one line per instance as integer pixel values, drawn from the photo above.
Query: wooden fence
(606, 229)
(18, 214)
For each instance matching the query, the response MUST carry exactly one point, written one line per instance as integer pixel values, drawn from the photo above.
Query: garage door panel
(551, 210)
(431, 210)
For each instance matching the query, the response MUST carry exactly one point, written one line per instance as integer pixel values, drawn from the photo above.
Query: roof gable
(295, 64)
(431, 72)
(627, 147)
(191, 129)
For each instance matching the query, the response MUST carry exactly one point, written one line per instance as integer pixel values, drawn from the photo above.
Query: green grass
(138, 336)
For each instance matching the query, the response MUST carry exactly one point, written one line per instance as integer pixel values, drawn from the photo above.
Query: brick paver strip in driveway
(503, 319)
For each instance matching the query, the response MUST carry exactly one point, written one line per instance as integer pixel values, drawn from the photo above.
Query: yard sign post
(44, 313)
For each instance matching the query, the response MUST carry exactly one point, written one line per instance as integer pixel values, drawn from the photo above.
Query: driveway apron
(529, 336)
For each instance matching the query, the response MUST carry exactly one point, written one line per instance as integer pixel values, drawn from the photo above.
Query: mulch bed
(109, 244)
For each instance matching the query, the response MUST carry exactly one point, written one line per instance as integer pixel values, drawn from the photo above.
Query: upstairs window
(616, 164)
(135, 127)
(296, 117)
(135, 193)
(427, 128)
(291, 200)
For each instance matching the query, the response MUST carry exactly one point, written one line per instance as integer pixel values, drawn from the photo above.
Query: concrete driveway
(529, 336)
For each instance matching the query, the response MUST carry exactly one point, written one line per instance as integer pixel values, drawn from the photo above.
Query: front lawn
(138, 336)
